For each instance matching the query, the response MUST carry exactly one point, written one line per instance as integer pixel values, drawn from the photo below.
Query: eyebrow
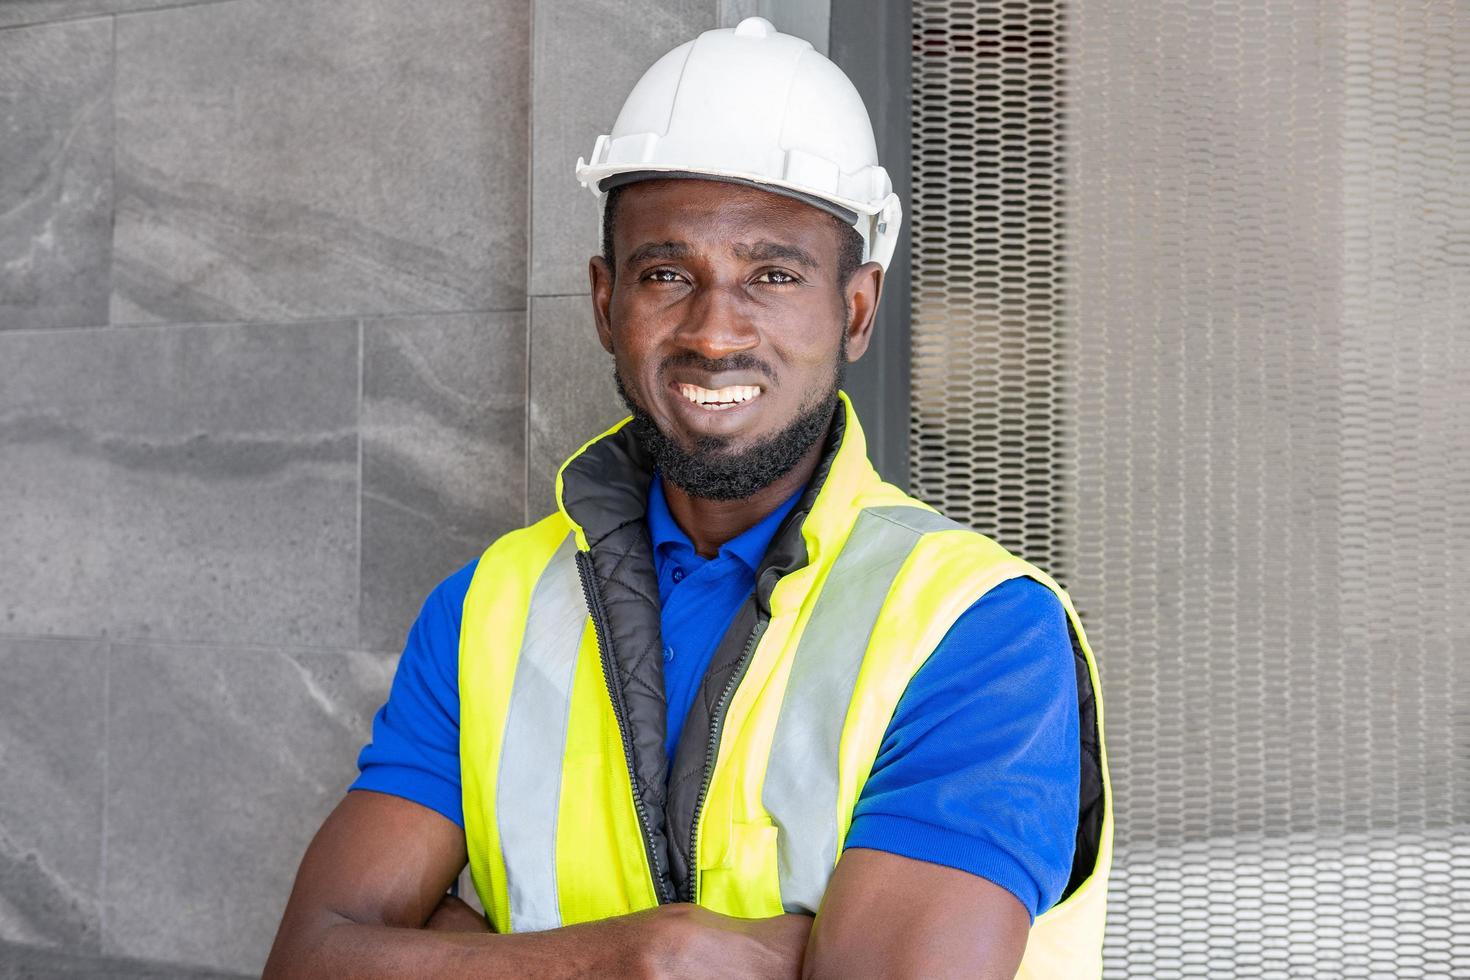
(658, 250)
(761, 251)
(765, 251)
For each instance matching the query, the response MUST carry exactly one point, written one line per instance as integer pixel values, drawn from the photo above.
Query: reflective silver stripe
(528, 790)
(800, 788)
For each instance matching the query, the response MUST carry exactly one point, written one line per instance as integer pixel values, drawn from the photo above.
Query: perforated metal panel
(985, 433)
(1191, 330)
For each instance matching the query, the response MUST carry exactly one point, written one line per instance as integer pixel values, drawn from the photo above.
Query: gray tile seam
(530, 251)
(106, 780)
(78, 19)
(145, 11)
(114, 639)
(57, 637)
(530, 256)
(111, 14)
(526, 430)
(361, 368)
(265, 322)
(112, 149)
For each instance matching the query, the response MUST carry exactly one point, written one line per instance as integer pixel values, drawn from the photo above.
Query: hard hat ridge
(753, 106)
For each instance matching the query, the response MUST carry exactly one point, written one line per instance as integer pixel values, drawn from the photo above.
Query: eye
(777, 277)
(662, 275)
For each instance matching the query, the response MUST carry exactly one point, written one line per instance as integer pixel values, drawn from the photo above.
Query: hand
(691, 941)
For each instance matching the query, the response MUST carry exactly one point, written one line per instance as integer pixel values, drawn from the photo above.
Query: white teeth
(729, 395)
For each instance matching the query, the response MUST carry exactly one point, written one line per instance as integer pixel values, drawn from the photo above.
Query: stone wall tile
(55, 174)
(573, 396)
(51, 766)
(19, 12)
(224, 762)
(443, 455)
(181, 482)
(280, 160)
(569, 36)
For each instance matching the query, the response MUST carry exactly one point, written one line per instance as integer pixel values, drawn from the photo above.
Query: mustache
(739, 361)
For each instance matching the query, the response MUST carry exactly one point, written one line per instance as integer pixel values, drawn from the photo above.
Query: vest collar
(603, 487)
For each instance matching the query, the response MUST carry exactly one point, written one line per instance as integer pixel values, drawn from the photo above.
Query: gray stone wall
(263, 383)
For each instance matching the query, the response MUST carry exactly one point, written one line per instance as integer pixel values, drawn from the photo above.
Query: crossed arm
(369, 902)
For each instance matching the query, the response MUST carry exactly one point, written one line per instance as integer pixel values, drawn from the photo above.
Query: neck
(710, 523)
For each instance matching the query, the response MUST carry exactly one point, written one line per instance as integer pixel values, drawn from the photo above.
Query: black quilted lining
(605, 490)
(1090, 802)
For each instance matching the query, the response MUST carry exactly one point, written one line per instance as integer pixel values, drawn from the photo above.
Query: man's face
(728, 327)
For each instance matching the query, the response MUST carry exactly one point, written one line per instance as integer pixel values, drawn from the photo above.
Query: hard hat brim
(846, 215)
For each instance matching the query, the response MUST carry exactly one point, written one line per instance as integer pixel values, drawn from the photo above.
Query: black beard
(712, 471)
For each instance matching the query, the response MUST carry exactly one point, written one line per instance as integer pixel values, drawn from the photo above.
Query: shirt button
(668, 653)
(678, 574)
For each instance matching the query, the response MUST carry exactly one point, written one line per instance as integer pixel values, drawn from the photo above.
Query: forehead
(711, 213)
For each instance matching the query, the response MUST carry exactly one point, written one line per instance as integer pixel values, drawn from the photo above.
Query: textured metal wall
(987, 281)
(1192, 330)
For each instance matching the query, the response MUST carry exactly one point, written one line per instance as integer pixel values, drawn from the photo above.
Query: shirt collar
(749, 546)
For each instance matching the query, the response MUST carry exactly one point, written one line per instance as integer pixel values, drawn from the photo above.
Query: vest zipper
(716, 723)
(615, 692)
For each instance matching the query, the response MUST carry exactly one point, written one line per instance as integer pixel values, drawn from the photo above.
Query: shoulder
(430, 657)
(527, 547)
(1012, 642)
(953, 582)
(414, 750)
(445, 603)
(1020, 601)
(432, 649)
(950, 550)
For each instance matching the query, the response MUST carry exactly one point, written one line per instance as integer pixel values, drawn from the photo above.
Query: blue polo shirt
(699, 597)
(978, 769)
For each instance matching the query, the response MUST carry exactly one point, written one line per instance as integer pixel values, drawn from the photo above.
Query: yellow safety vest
(569, 816)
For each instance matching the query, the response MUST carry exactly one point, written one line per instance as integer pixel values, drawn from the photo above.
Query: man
(737, 708)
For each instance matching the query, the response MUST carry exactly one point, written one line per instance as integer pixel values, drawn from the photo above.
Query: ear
(862, 292)
(601, 276)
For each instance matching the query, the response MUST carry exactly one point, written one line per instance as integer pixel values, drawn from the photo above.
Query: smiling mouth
(719, 399)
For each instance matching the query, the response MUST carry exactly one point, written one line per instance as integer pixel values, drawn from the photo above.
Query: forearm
(668, 941)
(338, 947)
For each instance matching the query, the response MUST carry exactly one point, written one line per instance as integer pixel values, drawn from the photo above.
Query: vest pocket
(745, 882)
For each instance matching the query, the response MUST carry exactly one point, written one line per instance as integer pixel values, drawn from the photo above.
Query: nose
(718, 324)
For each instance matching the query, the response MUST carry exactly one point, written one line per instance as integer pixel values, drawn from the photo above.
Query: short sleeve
(414, 752)
(980, 767)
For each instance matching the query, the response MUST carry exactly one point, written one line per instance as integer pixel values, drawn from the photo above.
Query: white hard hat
(753, 105)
